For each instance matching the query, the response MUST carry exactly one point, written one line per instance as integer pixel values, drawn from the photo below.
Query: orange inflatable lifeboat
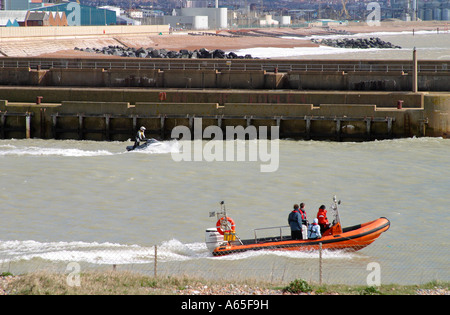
(335, 238)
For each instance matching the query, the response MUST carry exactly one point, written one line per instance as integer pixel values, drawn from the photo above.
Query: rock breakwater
(361, 43)
(164, 53)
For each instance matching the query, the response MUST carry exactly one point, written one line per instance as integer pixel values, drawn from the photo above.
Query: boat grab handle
(271, 228)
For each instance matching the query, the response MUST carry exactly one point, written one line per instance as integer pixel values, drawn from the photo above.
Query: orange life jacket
(322, 216)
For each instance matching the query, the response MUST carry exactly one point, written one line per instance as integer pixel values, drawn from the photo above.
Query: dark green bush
(298, 286)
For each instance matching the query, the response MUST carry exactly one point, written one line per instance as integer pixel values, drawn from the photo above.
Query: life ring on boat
(221, 223)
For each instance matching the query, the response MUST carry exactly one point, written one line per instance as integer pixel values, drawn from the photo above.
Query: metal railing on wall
(225, 64)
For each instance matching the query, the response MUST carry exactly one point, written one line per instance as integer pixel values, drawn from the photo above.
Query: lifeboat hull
(351, 238)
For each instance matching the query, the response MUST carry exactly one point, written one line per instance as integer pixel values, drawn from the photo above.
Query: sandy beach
(227, 40)
(282, 37)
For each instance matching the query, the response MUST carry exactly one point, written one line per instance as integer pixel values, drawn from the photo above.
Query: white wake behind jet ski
(149, 143)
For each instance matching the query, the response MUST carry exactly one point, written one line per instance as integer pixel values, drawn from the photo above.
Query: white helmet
(142, 128)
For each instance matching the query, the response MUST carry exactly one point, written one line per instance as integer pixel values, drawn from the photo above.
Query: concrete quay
(108, 114)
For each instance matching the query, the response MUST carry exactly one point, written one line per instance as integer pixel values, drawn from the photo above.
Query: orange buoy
(222, 222)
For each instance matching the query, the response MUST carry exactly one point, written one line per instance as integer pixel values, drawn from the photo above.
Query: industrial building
(75, 13)
(14, 4)
(433, 11)
(197, 22)
(17, 18)
(23, 4)
(82, 15)
(13, 18)
(413, 10)
(270, 20)
(198, 18)
(196, 15)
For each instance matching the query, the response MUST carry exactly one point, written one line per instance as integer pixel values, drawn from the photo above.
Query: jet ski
(149, 143)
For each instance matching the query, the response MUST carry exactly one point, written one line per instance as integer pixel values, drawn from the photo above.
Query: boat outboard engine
(213, 239)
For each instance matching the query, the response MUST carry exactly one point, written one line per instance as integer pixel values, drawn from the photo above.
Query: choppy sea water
(98, 205)
(430, 45)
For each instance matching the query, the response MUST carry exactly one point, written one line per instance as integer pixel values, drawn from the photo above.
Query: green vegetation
(128, 283)
(104, 283)
(298, 286)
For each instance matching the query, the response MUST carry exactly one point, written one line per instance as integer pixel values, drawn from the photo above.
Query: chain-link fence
(379, 263)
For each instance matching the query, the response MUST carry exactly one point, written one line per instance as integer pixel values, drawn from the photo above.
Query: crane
(344, 13)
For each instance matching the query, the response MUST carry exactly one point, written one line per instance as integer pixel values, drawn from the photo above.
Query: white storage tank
(446, 14)
(437, 14)
(421, 14)
(223, 18)
(428, 15)
(200, 22)
(285, 20)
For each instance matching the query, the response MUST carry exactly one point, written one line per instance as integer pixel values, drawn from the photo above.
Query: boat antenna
(223, 209)
(334, 206)
(221, 213)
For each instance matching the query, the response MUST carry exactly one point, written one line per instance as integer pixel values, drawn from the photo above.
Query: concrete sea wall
(223, 74)
(115, 114)
(108, 99)
(53, 32)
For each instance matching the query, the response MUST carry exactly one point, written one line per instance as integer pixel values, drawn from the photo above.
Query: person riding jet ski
(140, 136)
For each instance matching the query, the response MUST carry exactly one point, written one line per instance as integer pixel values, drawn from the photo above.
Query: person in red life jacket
(303, 214)
(295, 222)
(322, 218)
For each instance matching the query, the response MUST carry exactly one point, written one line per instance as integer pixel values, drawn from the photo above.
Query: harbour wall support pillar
(415, 72)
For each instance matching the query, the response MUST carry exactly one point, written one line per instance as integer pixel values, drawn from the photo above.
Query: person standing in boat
(322, 219)
(140, 136)
(303, 214)
(314, 230)
(295, 223)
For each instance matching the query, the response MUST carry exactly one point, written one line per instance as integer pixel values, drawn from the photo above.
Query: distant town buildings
(32, 18)
(54, 13)
(214, 14)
